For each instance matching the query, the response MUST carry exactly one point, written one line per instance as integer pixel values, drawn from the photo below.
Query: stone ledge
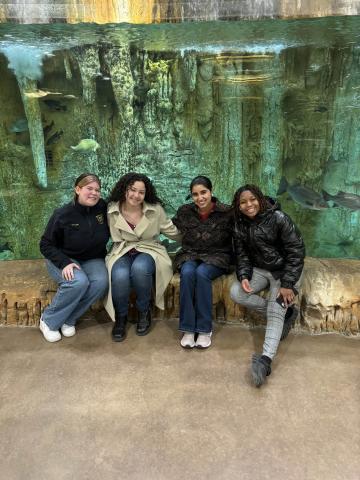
(329, 299)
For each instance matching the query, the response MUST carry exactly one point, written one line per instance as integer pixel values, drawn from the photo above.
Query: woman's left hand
(288, 295)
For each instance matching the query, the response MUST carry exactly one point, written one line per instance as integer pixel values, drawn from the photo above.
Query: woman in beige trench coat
(136, 218)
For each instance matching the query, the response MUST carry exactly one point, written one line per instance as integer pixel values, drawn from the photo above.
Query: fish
(47, 128)
(41, 93)
(86, 145)
(55, 105)
(304, 196)
(70, 96)
(55, 138)
(19, 126)
(343, 199)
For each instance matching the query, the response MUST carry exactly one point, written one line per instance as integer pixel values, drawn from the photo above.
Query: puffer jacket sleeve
(244, 267)
(167, 226)
(293, 249)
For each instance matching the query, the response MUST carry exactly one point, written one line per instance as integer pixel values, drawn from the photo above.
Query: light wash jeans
(269, 308)
(132, 271)
(74, 297)
(196, 296)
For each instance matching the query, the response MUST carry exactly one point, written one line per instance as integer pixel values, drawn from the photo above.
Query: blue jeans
(74, 297)
(196, 296)
(132, 272)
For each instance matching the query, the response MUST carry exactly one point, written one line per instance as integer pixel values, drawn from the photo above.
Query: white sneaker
(203, 340)
(187, 340)
(49, 335)
(68, 330)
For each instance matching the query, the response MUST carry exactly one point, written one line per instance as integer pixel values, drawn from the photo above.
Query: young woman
(206, 226)
(136, 218)
(269, 253)
(74, 245)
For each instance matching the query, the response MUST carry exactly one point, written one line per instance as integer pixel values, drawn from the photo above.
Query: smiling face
(249, 204)
(89, 194)
(201, 197)
(135, 194)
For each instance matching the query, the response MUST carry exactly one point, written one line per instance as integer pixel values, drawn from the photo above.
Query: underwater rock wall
(284, 118)
(154, 11)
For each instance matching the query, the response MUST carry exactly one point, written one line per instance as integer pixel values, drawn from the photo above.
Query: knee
(139, 269)
(187, 274)
(119, 274)
(80, 282)
(237, 293)
(102, 282)
(202, 274)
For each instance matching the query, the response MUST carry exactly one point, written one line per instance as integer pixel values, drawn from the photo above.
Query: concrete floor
(88, 408)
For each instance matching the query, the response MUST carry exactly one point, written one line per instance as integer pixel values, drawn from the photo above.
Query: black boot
(119, 329)
(144, 323)
(260, 368)
(289, 320)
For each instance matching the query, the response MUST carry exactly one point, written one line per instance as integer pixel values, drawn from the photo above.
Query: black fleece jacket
(270, 241)
(75, 232)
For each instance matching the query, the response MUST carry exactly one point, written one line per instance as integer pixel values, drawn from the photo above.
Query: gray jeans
(269, 308)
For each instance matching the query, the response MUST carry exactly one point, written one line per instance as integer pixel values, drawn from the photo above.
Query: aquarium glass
(270, 102)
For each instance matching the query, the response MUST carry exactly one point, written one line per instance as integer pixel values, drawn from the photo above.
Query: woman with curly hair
(270, 254)
(206, 225)
(136, 218)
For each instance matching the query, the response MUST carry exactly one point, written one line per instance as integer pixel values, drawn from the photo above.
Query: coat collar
(122, 224)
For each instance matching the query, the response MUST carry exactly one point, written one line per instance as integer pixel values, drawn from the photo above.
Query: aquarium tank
(266, 100)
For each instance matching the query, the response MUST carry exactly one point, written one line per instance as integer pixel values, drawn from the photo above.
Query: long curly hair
(118, 193)
(263, 203)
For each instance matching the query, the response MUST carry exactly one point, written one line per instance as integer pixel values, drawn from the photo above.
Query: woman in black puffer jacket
(270, 254)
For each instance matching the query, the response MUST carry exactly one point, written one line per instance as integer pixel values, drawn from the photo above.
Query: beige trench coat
(145, 238)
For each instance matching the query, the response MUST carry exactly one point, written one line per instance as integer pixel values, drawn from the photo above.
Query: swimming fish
(86, 145)
(19, 126)
(40, 93)
(304, 196)
(344, 199)
(70, 96)
(55, 138)
(55, 105)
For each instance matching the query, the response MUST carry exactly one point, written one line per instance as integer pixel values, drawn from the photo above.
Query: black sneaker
(290, 317)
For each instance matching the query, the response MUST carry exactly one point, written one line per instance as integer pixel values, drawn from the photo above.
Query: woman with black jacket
(270, 254)
(206, 228)
(74, 245)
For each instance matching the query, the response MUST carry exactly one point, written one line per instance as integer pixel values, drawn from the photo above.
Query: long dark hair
(263, 203)
(118, 193)
(199, 180)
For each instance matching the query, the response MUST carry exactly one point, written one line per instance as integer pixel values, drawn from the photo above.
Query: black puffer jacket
(210, 240)
(270, 241)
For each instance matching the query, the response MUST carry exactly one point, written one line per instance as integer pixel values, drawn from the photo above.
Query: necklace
(132, 217)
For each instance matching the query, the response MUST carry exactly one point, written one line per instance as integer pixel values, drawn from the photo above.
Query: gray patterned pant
(269, 308)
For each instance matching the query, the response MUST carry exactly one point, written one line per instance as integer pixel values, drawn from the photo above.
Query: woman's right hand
(246, 285)
(68, 271)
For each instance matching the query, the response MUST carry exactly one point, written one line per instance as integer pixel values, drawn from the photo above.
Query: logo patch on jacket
(100, 218)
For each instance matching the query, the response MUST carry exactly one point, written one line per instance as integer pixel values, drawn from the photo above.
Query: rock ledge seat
(329, 298)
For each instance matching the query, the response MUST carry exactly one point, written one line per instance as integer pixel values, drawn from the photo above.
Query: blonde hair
(85, 179)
